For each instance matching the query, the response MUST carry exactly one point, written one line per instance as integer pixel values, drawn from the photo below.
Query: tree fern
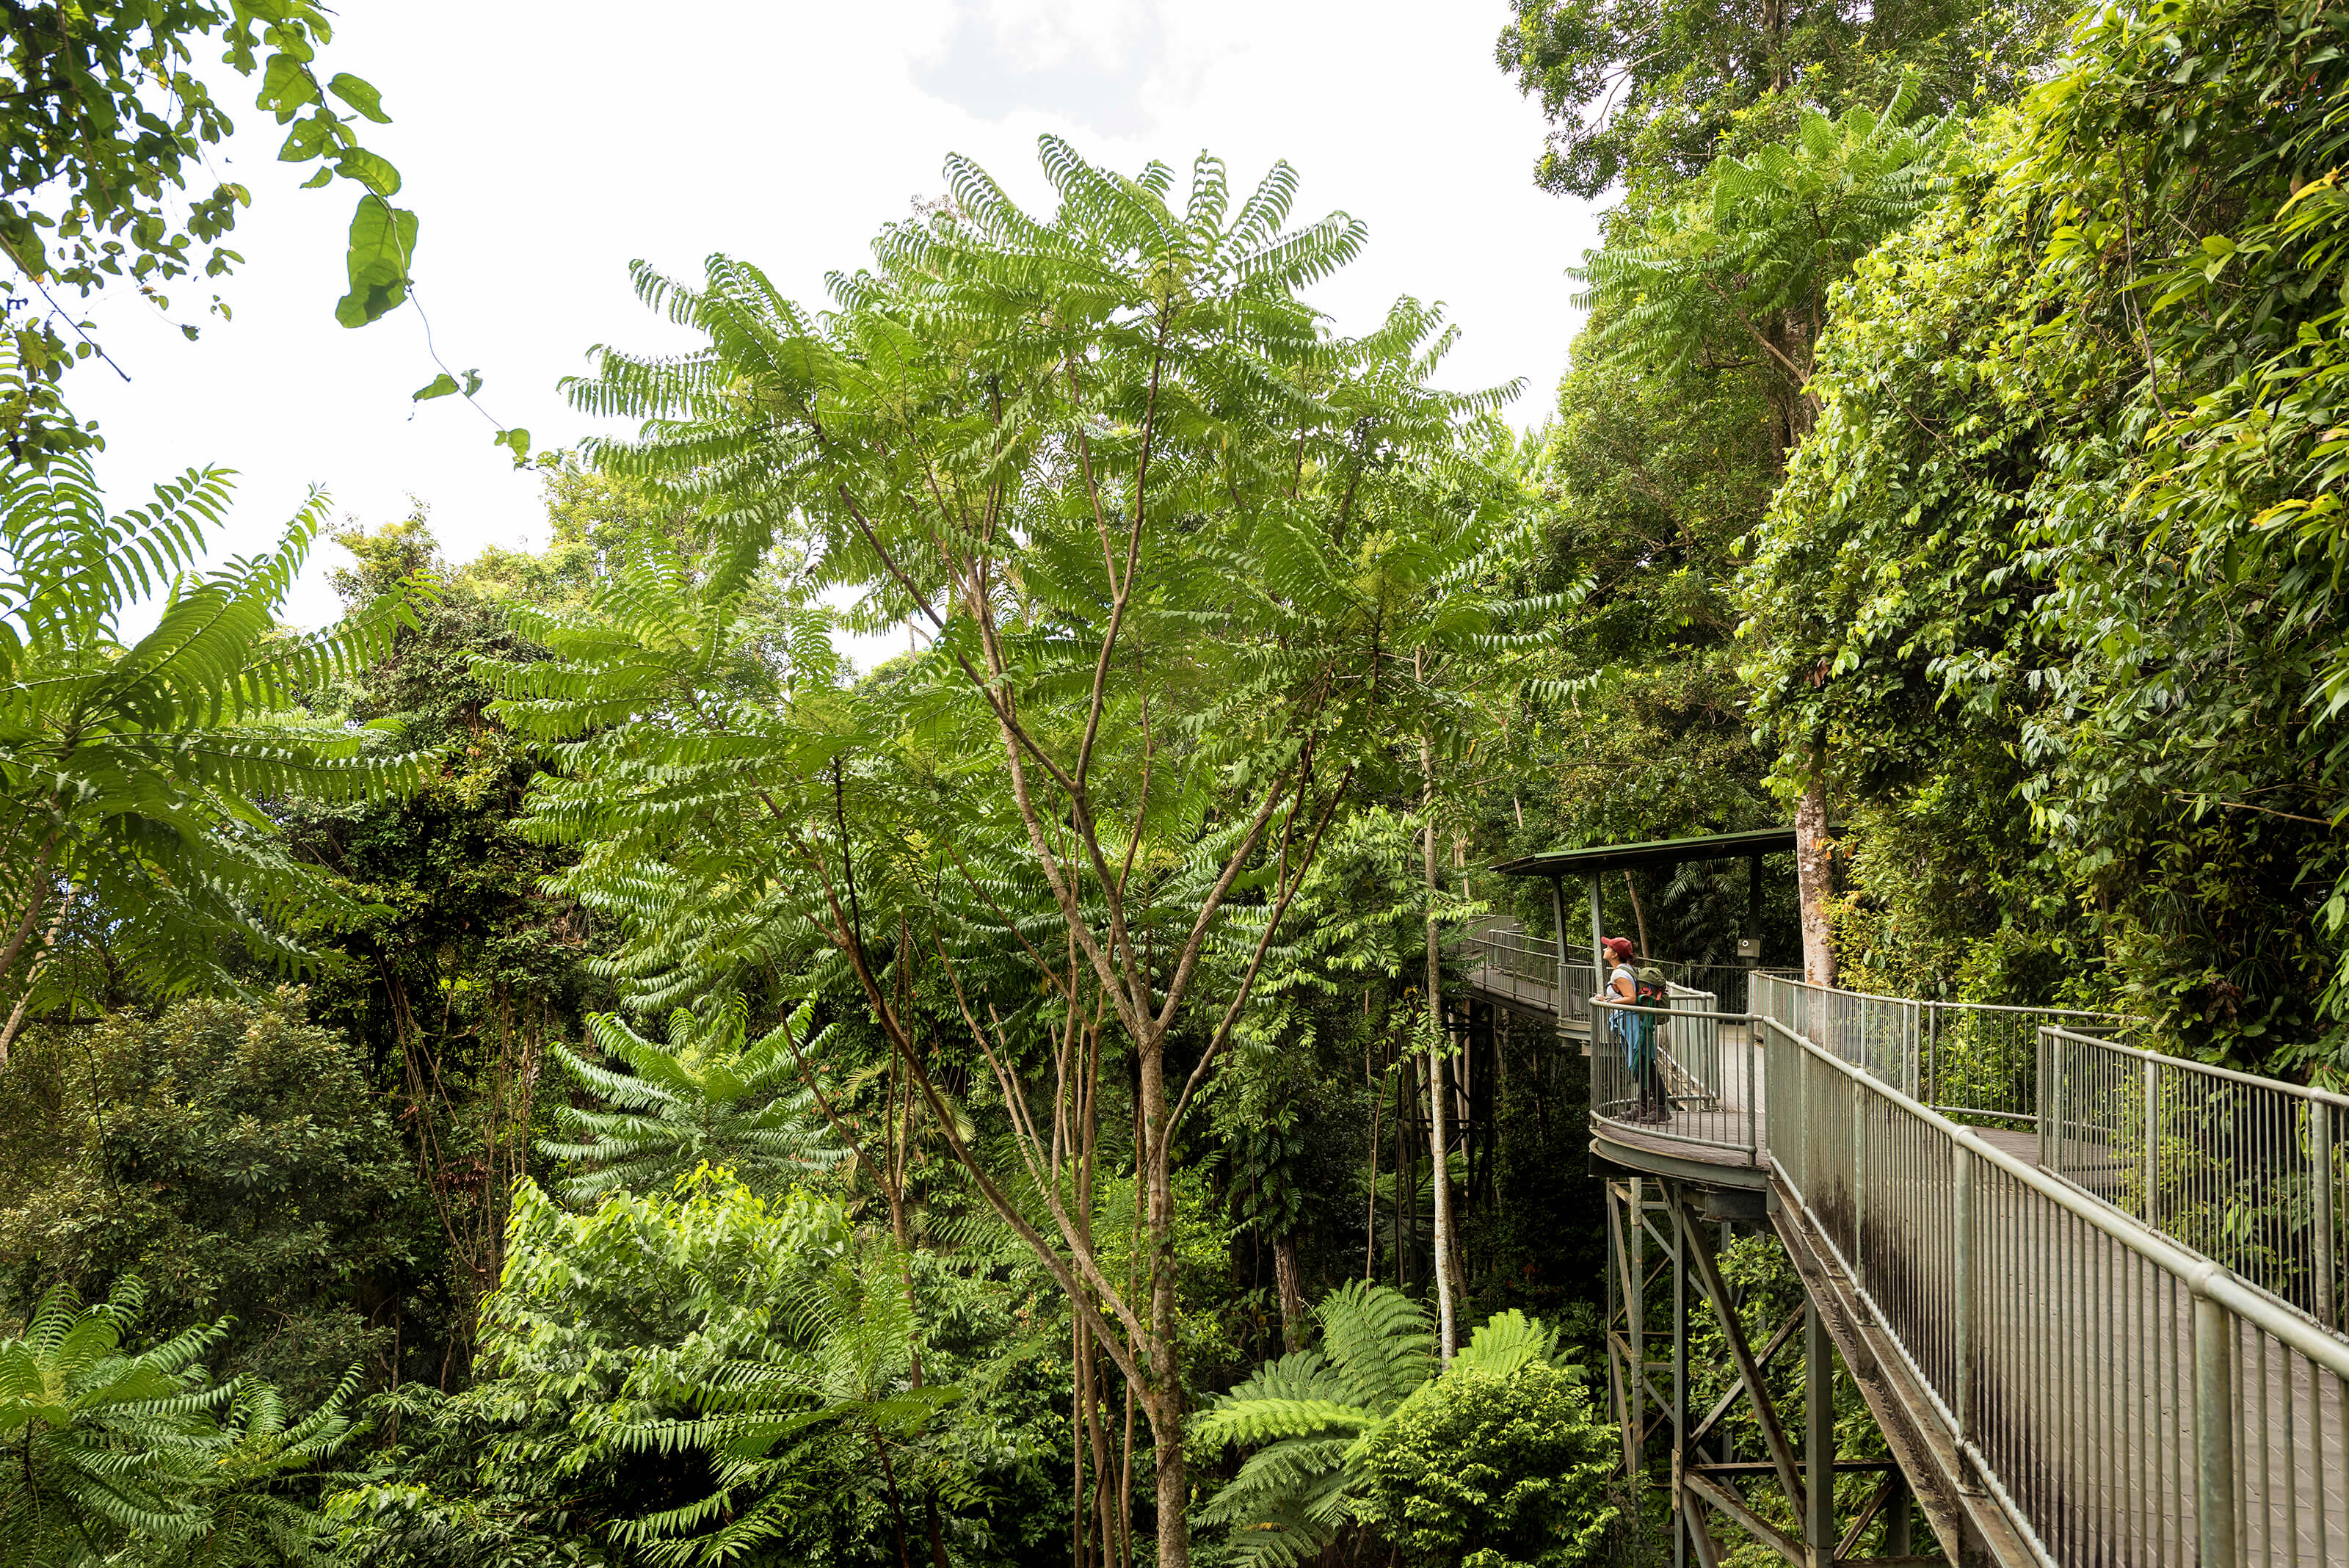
(136, 775)
(1309, 1414)
(110, 1452)
(706, 1098)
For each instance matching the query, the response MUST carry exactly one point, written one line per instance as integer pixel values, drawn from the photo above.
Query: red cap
(1620, 946)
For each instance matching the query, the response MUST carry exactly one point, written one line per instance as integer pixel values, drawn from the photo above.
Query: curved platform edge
(1692, 1164)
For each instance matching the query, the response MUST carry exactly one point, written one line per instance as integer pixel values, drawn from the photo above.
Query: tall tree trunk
(40, 961)
(1291, 1292)
(1437, 1137)
(1812, 870)
(1174, 1479)
(1163, 1404)
(1378, 1109)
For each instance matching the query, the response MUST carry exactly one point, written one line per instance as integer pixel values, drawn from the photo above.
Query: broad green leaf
(285, 87)
(312, 135)
(371, 170)
(382, 239)
(360, 96)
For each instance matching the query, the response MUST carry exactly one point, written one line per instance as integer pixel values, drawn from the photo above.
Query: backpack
(1647, 988)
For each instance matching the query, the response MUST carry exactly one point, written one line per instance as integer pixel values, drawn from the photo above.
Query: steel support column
(1819, 1440)
(1682, 1520)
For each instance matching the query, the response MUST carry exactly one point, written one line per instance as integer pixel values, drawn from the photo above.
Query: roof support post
(1597, 935)
(1557, 936)
(1754, 902)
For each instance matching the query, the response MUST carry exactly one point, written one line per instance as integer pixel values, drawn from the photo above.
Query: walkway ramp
(2090, 1292)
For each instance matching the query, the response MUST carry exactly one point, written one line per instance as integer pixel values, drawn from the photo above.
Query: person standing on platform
(1634, 1031)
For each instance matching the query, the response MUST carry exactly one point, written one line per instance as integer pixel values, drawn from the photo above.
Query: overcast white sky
(545, 145)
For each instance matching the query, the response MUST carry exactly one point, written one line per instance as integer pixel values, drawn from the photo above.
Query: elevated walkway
(2089, 1294)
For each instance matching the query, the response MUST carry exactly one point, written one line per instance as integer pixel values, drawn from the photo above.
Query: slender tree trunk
(1812, 870)
(1125, 1485)
(1406, 1182)
(1287, 1284)
(1080, 1532)
(1639, 916)
(1370, 1219)
(897, 1503)
(40, 961)
(1438, 1154)
(937, 1532)
(1162, 1401)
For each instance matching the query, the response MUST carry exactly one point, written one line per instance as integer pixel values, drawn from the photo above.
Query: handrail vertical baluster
(2320, 1151)
(2214, 1431)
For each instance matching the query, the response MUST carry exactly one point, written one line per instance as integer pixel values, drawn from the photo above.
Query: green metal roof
(1600, 858)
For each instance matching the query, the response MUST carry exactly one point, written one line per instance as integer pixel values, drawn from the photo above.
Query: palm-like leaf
(111, 1451)
(137, 776)
(708, 1097)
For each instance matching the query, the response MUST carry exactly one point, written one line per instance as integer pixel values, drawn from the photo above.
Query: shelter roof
(1600, 858)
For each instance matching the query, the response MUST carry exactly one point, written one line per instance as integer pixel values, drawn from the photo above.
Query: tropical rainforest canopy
(559, 1068)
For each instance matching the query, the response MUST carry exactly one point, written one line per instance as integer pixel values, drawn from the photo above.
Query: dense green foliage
(1643, 94)
(998, 1106)
(1493, 1469)
(233, 1159)
(2058, 531)
(1347, 1431)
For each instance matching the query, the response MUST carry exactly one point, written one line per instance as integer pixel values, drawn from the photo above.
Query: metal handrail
(2126, 1325)
(1516, 957)
(2246, 1170)
(1978, 1060)
(1507, 951)
(1698, 1066)
(2054, 1332)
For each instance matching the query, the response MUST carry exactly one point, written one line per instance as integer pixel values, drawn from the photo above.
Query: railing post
(1961, 1398)
(1912, 1020)
(2152, 1215)
(1858, 1179)
(1932, 1095)
(1758, 1070)
(2044, 1096)
(2214, 1432)
(2320, 1149)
